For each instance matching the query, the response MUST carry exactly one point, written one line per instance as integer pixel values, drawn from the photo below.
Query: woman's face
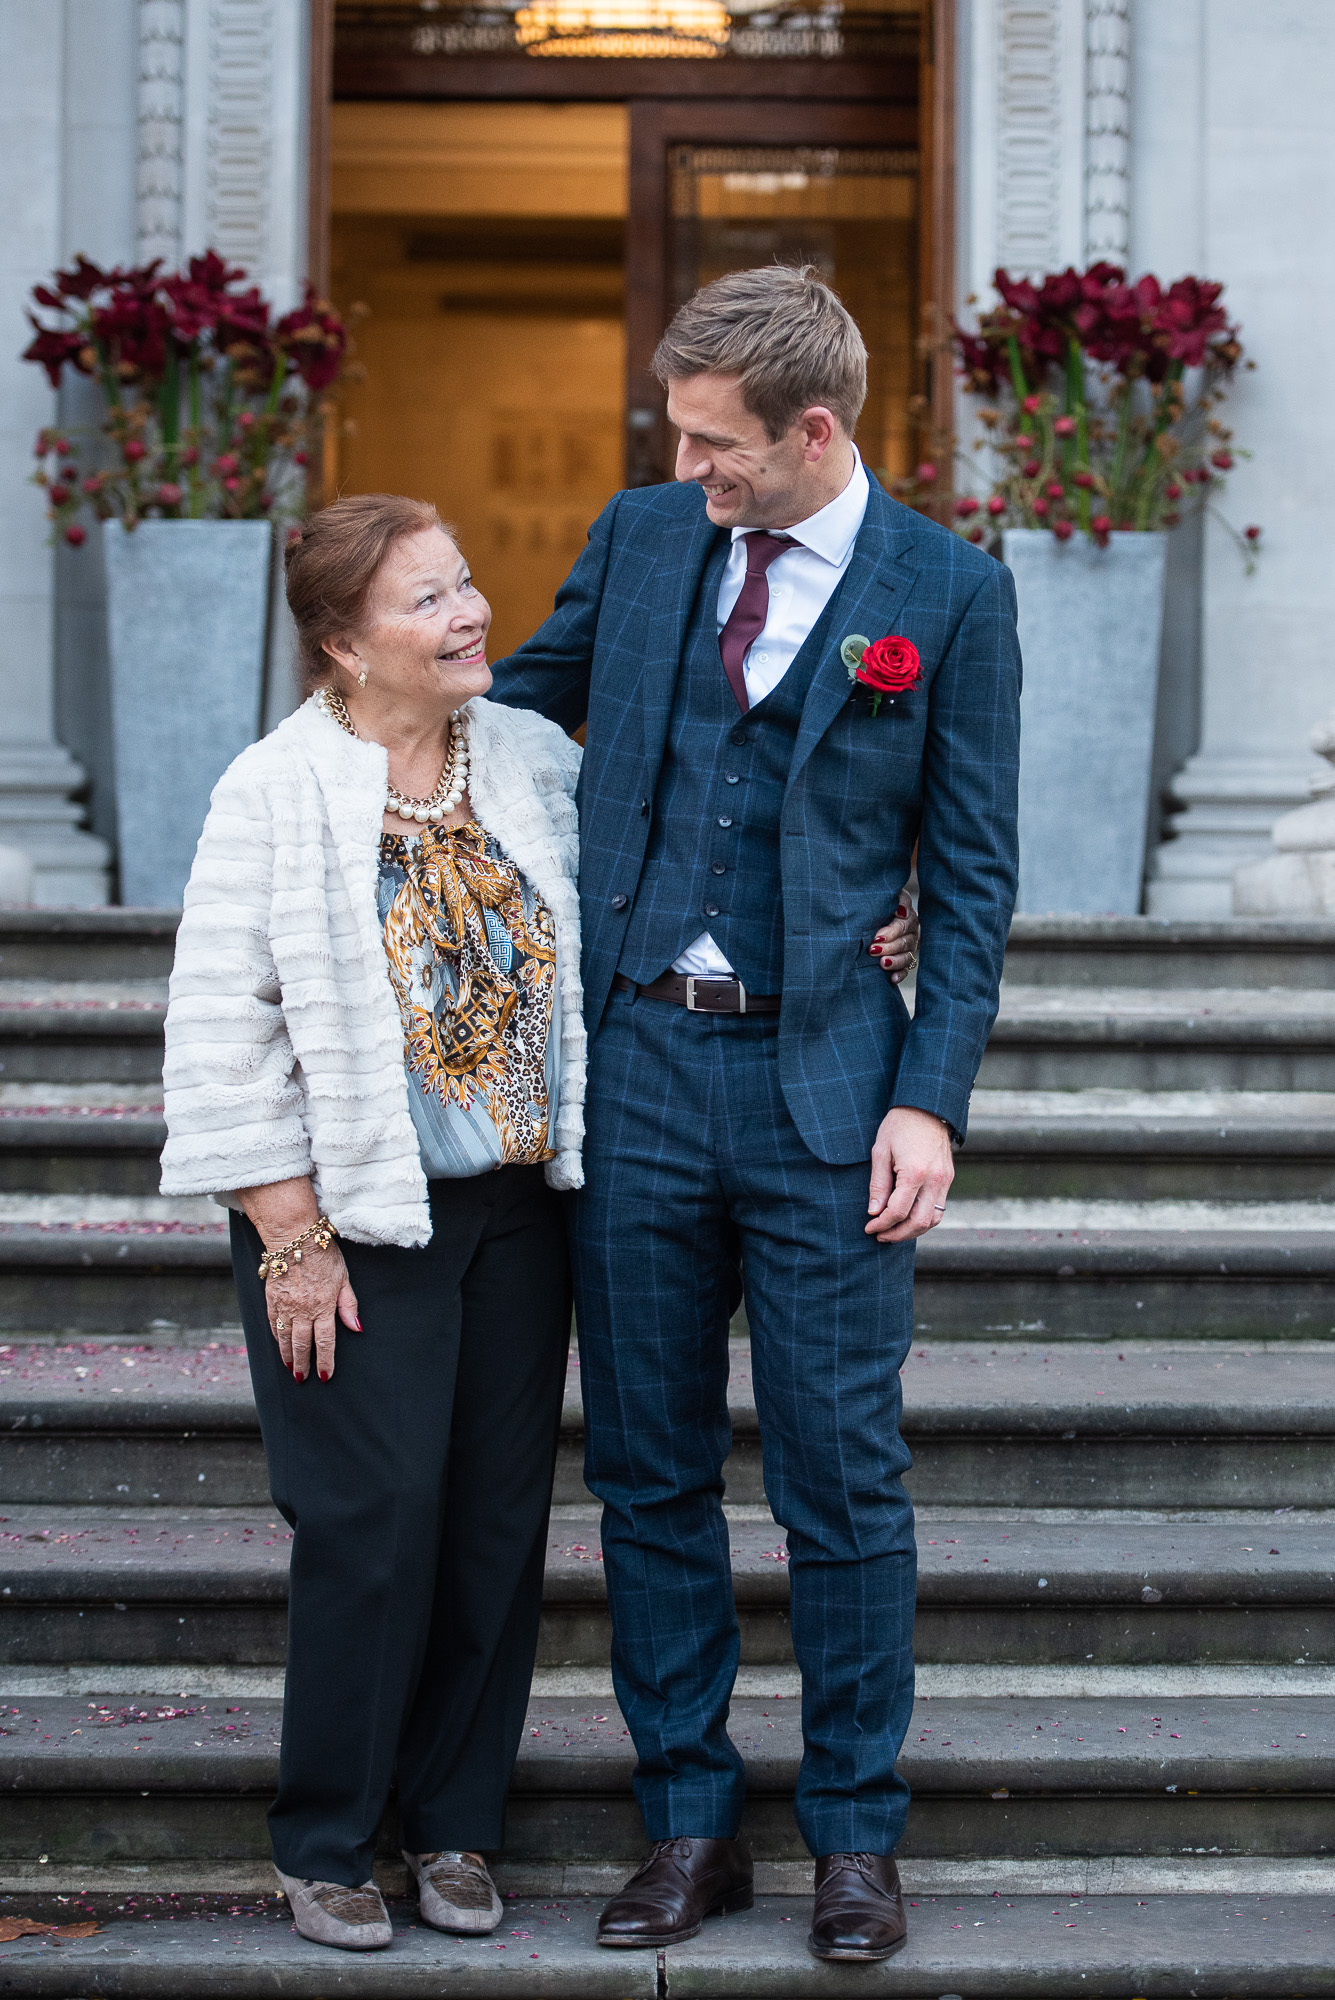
(424, 636)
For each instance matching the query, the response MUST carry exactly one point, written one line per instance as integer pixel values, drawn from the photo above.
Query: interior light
(623, 27)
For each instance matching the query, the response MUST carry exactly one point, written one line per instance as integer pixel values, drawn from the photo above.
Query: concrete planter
(187, 615)
(1091, 621)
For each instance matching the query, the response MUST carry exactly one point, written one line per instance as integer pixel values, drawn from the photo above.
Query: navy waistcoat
(712, 862)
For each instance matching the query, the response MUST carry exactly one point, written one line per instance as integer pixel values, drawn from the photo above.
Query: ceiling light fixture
(623, 28)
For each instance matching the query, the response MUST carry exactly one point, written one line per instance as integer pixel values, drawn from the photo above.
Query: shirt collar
(831, 532)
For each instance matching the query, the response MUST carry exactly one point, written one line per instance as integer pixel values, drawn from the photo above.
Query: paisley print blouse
(472, 959)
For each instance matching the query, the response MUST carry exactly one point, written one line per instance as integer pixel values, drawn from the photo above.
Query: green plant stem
(194, 406)
(1116, 497)
(1151, 470)
(1075, 456)
(1018, 383)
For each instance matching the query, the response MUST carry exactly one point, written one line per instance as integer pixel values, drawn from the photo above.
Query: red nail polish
(357, 1323)
(876, 950)
(298, 1379)
(324, 1375)
(901, 911)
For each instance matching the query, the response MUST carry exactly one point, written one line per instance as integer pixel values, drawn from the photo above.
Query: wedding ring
(940, 1207)
(278, 1326)
(913, 961)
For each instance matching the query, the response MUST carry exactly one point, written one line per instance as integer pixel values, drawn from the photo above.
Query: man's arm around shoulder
(550, 672)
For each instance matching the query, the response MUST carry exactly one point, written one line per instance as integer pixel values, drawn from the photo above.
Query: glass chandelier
(623, 27)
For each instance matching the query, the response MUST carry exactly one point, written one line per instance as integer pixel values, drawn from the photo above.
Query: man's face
(749, 481)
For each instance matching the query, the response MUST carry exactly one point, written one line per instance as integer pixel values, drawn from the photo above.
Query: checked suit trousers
(699, 1188)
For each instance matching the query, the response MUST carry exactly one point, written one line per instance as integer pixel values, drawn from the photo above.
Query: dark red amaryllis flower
(983, 361)
(200, 298)
(133, 328)
(79, 283)
(1190, 319)
(52, 347)
(314, 339)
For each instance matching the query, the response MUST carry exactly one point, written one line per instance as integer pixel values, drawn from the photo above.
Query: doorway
(521, 230)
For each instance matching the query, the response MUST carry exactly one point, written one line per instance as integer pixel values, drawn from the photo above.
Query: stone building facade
(1177, 135)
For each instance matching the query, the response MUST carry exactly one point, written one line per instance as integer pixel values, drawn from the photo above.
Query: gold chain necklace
(449, 787)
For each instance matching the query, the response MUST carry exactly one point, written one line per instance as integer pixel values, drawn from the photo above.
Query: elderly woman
(375, 1058)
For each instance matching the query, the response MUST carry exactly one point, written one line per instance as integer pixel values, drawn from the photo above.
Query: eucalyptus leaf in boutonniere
(881, 666)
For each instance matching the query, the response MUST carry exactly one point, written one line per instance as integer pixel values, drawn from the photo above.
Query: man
(745, 810)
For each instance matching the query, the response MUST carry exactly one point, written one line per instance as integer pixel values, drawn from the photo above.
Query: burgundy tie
(747, 618)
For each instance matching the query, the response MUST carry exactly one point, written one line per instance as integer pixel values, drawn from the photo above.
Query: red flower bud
(58, 495)
(265, 501)
(92, 484)
(1223, 459)
(1031, 405)
(1063, 530)
(1253, 534)
(232, 485)
(63, 447)
(1032, 467)
(1056, 491)
(69, 471)
(75, 535)
(926, 472)
(1065, 427)
(1173, 490)
(133, 450)
(300, 457)
(966, 506)
(1082, 479)
(190, 456)
(996, 505)
(42, 446)
(169, 493)
(293, 535)
(1041, 509)
(1101, 524)
(225, 464)
(975, 534)
(245, 420)
(1023, 442)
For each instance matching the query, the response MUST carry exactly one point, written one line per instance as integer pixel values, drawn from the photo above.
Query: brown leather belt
(702, 996)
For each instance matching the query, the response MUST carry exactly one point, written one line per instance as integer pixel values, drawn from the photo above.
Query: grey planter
(1091, 622)
(187, 616)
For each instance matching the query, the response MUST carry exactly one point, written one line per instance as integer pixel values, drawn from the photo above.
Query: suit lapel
(685, 550)
(870, 599)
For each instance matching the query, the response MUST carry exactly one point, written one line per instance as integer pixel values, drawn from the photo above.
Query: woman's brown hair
(331, 563)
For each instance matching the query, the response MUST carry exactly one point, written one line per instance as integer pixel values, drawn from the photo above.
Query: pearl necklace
(449, 787)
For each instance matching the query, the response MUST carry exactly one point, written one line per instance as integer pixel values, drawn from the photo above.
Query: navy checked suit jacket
(939, 768)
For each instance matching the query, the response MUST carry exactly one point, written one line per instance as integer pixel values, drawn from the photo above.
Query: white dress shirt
(801, 583)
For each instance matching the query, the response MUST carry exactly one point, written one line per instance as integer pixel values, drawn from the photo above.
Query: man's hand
(911, 1172)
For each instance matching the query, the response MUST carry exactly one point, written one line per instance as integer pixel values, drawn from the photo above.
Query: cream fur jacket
(284, 1041)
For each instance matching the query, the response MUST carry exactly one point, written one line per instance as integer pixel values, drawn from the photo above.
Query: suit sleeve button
(619, 902)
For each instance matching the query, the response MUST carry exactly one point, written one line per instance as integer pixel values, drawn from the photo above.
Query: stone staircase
(1121, 1405)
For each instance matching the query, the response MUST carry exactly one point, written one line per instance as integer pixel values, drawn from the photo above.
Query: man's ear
(820, 428)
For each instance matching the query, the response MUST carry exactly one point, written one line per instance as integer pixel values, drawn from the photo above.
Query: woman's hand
(896, 943)
(306, 1301)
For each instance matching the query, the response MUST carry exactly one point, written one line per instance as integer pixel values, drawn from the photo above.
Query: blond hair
(793, 343)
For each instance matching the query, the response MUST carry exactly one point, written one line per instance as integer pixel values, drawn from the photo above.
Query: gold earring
(361, 678)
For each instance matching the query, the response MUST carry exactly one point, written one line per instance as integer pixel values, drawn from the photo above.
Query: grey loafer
(331, 1913)
(455, 1892)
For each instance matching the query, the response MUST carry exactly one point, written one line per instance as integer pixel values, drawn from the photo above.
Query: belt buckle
(691, 1007)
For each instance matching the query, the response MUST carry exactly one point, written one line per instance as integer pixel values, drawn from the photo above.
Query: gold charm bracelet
(274, 1262)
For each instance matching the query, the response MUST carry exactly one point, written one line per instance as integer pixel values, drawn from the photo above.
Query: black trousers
(418, 1483)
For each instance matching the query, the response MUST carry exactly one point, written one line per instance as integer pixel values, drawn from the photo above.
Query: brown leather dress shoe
(683, 1882)
(859, 1912)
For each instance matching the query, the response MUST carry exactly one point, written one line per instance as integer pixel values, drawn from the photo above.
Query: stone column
(1261, 198)
(38, 777)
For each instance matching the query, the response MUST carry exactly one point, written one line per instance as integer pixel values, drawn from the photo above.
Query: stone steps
(1142, 952)
(989, 1948)
(1145, 1424)
(164, 1587)
(110, 1785)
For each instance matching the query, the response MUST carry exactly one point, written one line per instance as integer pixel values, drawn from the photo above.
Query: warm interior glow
(623, 28)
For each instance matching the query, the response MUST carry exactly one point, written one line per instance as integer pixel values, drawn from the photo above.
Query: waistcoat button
(724, 820)
(619, 902)
(711, 909)
(732, 777)
(740, 736)
(718, 868)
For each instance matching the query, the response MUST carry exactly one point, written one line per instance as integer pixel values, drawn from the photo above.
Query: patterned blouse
(472, 958)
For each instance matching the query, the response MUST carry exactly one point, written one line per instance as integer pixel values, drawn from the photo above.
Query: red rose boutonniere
(882, 666)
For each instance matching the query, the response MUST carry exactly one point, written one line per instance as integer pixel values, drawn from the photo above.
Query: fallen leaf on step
(17, 1927)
